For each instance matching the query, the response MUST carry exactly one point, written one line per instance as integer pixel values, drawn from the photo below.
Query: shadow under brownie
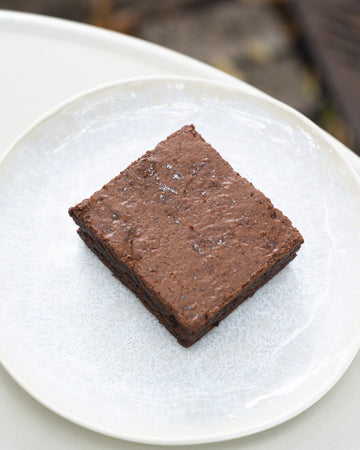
(187, 234)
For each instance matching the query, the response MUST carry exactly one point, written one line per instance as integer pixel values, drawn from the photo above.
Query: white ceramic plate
(83, 345)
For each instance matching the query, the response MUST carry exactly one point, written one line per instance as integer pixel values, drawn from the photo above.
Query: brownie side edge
(164, 316)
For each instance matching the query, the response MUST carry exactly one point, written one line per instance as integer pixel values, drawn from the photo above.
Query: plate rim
(219, 436)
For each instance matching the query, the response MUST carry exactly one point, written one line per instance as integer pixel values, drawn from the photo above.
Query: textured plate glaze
(83, 345)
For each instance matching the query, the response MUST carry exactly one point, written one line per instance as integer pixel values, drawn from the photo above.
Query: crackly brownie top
(190, 227)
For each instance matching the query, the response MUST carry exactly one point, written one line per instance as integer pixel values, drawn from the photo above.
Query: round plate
(83, 345)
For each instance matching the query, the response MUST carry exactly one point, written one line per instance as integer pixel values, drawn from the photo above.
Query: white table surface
(45, 61)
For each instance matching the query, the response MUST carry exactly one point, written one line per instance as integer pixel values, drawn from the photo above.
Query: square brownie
(187, 234)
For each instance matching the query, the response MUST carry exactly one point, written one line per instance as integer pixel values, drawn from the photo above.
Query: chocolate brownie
(187, 234)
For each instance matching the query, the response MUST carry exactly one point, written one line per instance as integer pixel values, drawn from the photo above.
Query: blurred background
(305, 53)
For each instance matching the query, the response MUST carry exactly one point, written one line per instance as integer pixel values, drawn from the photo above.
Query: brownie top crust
(191, 229)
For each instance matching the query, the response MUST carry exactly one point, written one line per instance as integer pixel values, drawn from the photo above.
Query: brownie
(187, 234)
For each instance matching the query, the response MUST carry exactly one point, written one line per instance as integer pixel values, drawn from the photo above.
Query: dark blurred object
(127, 15)
(67, 9)
(331, 30)
(247, 39)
